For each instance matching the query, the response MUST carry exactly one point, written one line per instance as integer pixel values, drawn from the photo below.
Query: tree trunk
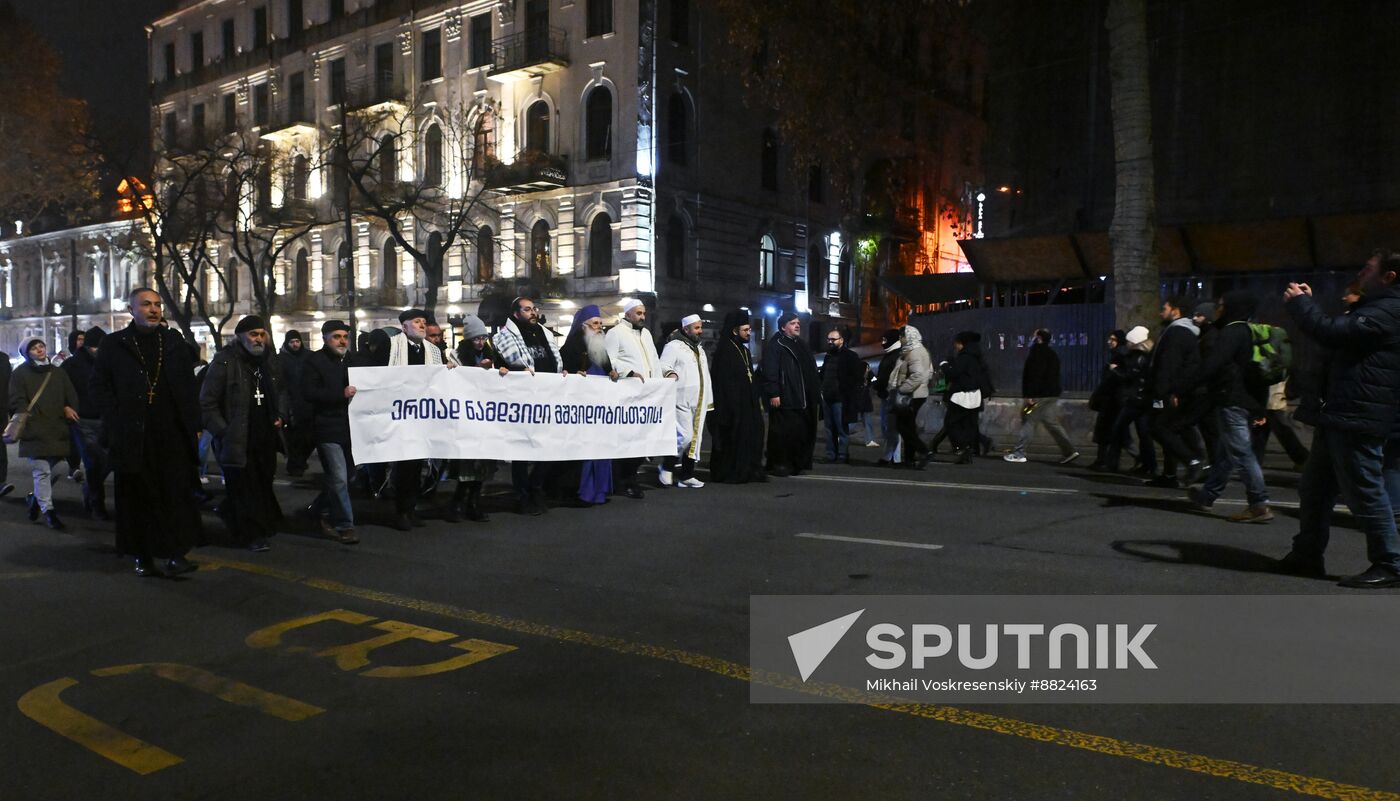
(1135, 281)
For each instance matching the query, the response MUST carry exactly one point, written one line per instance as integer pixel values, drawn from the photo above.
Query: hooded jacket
(1227, 371)
(1362, 380)
(914, 368)
(967, 372)
(1176, 359)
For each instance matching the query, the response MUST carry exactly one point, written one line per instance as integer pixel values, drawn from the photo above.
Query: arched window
(767, 261)
(598, 124)
(342, 266)
(817, 270)
(435, 257)
(675, 247)
(300, 171)
(537, 127)
(389, 266)
(769, 171)
(301, 286)
(541, 251)
(600, 246)
(485, 255)
(388, 159)
(677, 130)
(432, 156)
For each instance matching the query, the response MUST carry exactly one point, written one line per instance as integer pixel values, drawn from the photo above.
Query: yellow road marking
(1109, 746)
(43, 706)
(234, 692)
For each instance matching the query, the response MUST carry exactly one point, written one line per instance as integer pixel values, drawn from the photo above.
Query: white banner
(421, 412)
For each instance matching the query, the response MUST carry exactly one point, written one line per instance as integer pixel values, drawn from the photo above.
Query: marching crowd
(138, 405)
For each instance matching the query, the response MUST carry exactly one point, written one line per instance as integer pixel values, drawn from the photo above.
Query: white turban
(630, 304)
(687, 321)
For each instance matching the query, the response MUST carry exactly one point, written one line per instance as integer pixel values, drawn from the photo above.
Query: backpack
(1273, 352)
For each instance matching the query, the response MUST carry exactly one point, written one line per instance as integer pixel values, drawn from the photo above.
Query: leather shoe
(1297, 564)
(416, 521)
(633, 492)
(178, 565)
(51, 520)
(145, 568)
(402, 523)
(1375, 578)
(346, 537)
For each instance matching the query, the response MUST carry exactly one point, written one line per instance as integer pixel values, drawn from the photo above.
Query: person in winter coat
(1238, 395)
(6, 371)
(793, 394)
(842, 377)
(1040, 386)
(87, 433)
(46, 439)
(909, 383)
(1177, 404)
(292, 361)
(890, 341)
(1358, 413)
(327, 392)
(1104, 399)
(1134, 403)
(969, 386)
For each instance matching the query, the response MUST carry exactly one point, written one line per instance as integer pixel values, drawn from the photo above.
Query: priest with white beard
(632, 352)
(694, 399)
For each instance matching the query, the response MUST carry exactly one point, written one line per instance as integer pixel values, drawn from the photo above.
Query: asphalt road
(602, 653)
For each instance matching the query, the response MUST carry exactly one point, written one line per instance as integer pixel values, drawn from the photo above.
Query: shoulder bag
(15, 429)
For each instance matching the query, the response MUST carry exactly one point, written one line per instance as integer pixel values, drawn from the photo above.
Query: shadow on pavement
(1206, 554)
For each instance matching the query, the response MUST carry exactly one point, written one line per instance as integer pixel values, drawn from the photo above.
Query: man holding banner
(632, 352)
(525, 345)
(684, 357)
(411, 348)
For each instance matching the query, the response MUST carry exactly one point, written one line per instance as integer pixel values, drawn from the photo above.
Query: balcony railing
(537, 51)
(373, 91)
(533, 171)
(291, 211)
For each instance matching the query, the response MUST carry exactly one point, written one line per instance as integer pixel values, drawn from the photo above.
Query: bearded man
(632, 352)
(737, 420)
(586, 352)
(684, 357)
(245, 406)
(326, 389)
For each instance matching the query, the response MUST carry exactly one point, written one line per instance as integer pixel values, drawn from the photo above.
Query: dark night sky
(103, 46)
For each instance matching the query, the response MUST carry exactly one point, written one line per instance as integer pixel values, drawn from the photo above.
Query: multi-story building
(609, 157)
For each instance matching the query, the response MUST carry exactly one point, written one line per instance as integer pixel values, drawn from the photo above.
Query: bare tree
(441, 195)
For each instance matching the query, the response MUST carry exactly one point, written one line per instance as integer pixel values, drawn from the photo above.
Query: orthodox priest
(737, 420)
(245, 406)
(585, 351)
(694, 400)
(793, 392)
(143, 385)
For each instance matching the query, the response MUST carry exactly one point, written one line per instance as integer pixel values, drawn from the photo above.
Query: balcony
(291, 212)
(289, 121)
(533, 171)
(529, 54)
(376, 94)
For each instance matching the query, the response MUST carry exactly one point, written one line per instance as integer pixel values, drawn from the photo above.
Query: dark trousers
(86, 436)
(907, 422)
(1130, 418)
(1175, 430)
(680, 468)
(299, 447)
(625, 471)
(1280, 425)
(407, 477)
(527, 477)
(1349, 464)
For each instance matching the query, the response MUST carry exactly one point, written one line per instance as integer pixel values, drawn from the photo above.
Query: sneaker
(1068, 459)
(872, 444)
(1017, 458)
(692, 483)
(6, 490)
(1258, 513)
(665, 476)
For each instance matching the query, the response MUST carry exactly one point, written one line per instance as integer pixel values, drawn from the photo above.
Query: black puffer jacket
(967, 372)
(1228, 369)
(1134, 373)
(1175, 360)
(1363, 375)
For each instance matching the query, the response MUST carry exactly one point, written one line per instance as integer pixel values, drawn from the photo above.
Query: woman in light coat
(910, 381)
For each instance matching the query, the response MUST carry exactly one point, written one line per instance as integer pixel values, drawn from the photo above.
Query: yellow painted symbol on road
(44, 706)
(355, 656)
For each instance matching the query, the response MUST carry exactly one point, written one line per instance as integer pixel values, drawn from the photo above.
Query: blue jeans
(1350, 464)
(334, 499)
(1234, 450)
(1390, 469)
(838, 438)
(889, 431)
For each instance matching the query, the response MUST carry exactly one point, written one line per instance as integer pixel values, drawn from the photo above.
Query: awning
(921, 290)
(1332, 242)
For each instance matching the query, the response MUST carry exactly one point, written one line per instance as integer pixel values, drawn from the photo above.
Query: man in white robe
(694, 399)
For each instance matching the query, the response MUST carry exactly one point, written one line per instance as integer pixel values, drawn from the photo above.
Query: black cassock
(251, 508)
(736, 424)
(151, 437)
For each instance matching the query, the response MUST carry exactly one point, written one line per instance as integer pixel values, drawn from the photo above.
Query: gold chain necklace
(146, 372)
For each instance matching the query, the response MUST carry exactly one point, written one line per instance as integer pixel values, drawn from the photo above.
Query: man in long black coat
(143, 383)
(736, 424)
(793, 393)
